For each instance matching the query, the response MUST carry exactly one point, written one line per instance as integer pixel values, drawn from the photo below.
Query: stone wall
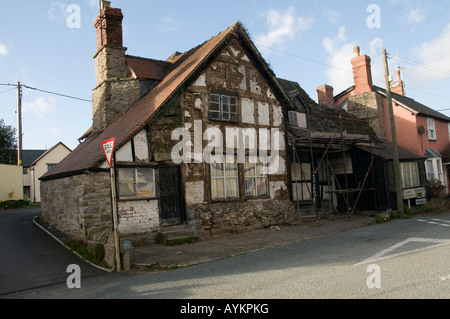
(113, 98)
(80, 208)
(238, 217)
(368, 106)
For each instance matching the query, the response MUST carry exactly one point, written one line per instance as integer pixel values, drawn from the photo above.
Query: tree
(8, 144)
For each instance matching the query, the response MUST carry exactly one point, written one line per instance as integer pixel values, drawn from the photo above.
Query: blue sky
(311, 42)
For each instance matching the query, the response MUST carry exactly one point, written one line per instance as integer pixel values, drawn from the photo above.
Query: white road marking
(382, 255)
(435, 221)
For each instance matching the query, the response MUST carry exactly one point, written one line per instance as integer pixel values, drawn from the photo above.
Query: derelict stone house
(199, 140)
(338, 162)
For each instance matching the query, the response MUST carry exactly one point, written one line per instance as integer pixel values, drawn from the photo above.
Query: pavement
(159, 256)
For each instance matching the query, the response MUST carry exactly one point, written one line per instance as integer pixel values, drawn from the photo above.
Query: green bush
(14, 203)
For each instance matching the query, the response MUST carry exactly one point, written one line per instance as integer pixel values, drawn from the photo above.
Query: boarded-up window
(341, 164)
(297, 119)
(301, 181)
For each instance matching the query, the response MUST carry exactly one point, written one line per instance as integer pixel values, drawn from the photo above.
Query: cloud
(413, 15)
(433, 61)
(340, 54)
(332, 15)
(168, 24)
(3, 50)
(283, 26)
(58, 11)
(40, 107)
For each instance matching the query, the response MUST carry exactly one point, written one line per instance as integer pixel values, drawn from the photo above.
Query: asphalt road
(30, 258)
(412, 257)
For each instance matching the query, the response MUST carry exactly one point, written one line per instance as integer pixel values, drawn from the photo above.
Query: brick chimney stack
(325, 95)
(362, 73)
(115, 92)
(398, 86)
(110, 58)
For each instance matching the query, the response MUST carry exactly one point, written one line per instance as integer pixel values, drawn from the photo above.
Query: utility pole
(19, 124)
(396, 163)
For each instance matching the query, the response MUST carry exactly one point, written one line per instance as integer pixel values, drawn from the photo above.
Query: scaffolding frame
(334, 143)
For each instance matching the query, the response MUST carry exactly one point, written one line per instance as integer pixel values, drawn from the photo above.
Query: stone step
(178, 232)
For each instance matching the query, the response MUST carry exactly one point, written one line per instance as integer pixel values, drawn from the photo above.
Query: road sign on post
(108, 148)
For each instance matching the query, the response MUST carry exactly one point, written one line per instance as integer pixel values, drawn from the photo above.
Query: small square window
(223, 107)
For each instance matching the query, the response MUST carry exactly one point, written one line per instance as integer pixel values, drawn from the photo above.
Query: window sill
(136, 198)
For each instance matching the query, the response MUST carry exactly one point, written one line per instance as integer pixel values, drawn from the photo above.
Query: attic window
(297, 119)
(223, 107)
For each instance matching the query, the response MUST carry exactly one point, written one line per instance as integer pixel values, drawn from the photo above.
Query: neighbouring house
(28, 157)
(199, 141)
(338, 163)
(41, 165)
(420, 129)
(11, 186)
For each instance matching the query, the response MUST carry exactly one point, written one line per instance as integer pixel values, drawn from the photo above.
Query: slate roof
(324, 118)
(148, 69)
(420, 108)
(383, 148)
(48, 151)
(29, 156)
(89, 154)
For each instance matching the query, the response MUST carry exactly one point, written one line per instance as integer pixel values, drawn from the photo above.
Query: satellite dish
(421, 129)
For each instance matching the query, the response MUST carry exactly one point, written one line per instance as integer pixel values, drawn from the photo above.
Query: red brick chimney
(109, 26)
(362, 73)
(325, 95)
(115, 92)
(398, 86)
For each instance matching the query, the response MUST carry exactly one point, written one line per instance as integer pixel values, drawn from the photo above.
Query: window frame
(431, 129)
(297, 119)
(435, 172)
(224, 178)
(223, 108)
(414, 180)
(136, 189)
(254, 166)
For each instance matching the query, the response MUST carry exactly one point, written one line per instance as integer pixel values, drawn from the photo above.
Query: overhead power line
(48, 92)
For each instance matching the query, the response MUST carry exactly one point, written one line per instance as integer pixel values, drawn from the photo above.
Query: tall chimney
(362, 73)
(115, 92)
(325, 95)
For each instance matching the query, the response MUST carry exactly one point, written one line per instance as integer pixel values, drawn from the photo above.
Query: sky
(49, 46)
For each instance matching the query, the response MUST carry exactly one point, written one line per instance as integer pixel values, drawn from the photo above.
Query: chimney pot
(356, 51)
(105, 4)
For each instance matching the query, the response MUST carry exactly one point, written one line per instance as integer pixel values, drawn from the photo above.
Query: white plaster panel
(277, 115)
(201, 81)
(124, 154)
(138, 216)
(263, 114)
(141, 146)
(194, 193)
(248, 111)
